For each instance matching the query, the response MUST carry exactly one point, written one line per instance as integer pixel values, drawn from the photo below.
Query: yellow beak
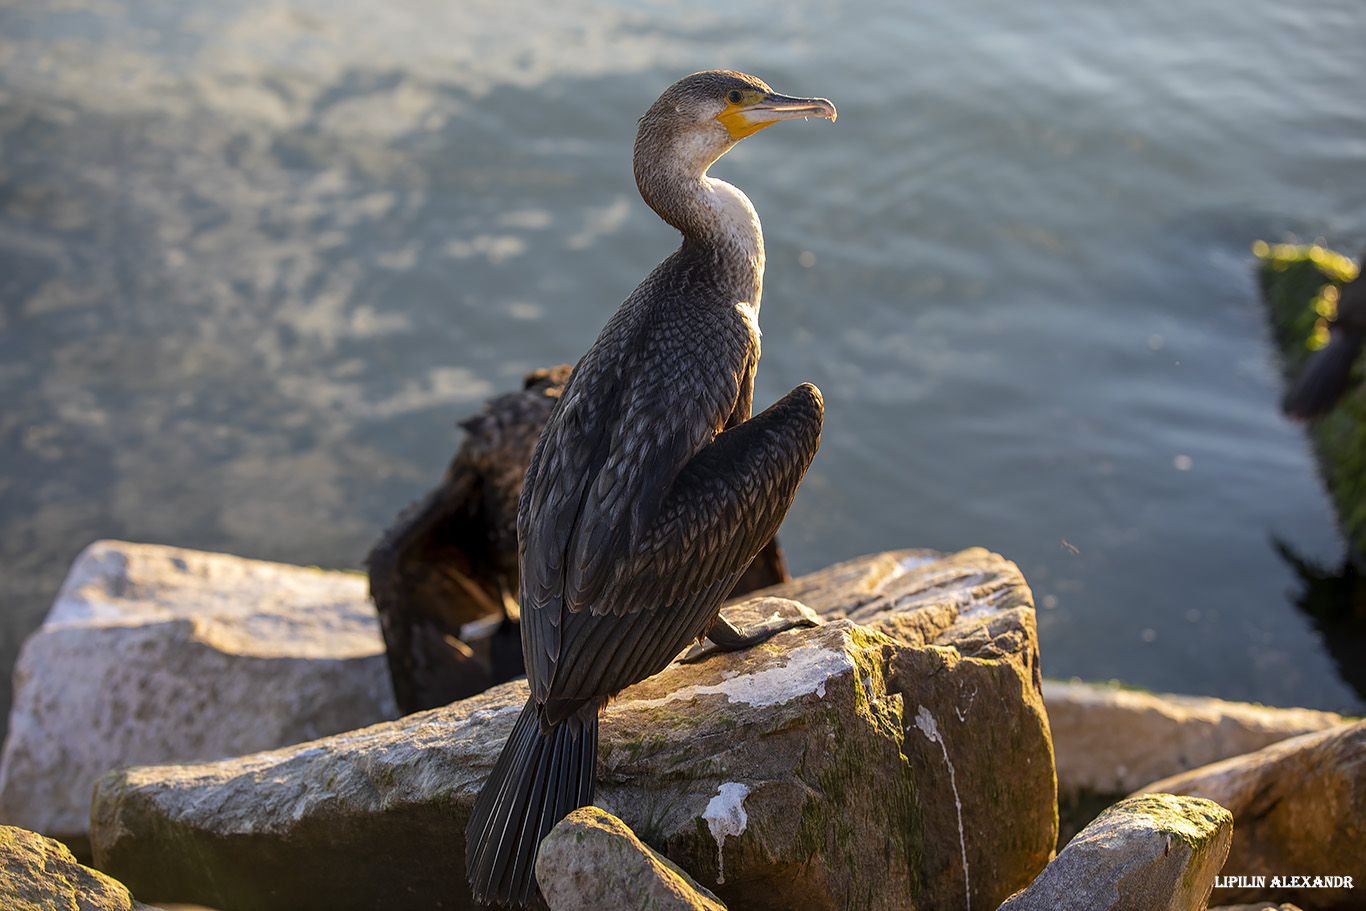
(756, 110)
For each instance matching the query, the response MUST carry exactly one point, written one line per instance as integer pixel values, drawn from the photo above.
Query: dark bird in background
(450, 559)
(1326, 376)
(444, 577)
(651, 488)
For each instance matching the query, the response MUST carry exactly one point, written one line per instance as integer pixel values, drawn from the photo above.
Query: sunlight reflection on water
(257, 259)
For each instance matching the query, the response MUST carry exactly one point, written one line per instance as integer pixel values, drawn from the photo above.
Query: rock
(338, 821)
(827, 768)
(1258, 906)
(591, 859)
(1152, 853)
(1114, 741)
(38, 873)
(1299, 807)
(976, 728)
(843, 587)
(156, 654)
(777, 776)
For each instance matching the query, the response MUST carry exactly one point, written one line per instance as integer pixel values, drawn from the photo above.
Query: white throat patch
(736, 219)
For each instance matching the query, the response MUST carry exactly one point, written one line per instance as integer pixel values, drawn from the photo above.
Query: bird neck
(717, 221)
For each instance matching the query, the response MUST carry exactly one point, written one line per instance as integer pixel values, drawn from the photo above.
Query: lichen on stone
(1192, 820)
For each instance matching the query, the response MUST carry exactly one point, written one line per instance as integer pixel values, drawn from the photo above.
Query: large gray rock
(976, 729)
(591, 859)
(1300, 810)
(1108, 740)
(1150, 853)
(157, 654)
(40, 874)
(829, 768)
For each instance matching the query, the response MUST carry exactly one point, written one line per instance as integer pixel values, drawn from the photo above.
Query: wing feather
(727, 503)
(724, 506)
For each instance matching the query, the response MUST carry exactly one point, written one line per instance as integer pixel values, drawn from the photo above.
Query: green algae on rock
(1156, 852)
(1299, 284)
(39, 874)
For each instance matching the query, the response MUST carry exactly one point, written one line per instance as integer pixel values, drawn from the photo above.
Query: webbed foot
(725, 637)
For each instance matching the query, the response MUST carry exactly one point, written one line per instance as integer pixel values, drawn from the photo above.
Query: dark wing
(680, 393)
(727, 502)
(651, 392)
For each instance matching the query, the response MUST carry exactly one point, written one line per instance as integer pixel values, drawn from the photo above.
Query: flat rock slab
(833, 767)
(1151, 853)
(1300, 812)
(38, 874)
(158, 654)
(1108, 740)
(591, 859)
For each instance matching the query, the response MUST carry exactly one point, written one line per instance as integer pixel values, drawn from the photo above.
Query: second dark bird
(1326, 376)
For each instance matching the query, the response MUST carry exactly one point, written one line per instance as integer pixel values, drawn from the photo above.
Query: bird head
(700, 117)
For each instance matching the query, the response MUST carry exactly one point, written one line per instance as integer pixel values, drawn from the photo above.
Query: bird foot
(724, 637)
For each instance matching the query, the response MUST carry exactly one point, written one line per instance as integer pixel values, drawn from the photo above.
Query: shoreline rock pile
(897, 756)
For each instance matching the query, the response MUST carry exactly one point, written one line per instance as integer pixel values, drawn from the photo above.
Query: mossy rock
(39, 874)
(1299, 284)
(904, 764)
(1151, 851)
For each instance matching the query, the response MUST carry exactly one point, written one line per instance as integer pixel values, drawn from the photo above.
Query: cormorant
(651, 487)
(450, 559)
(1325, 378)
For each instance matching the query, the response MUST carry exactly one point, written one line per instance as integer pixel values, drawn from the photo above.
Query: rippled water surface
(256, 258)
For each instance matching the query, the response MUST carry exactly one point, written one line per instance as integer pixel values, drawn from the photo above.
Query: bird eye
(734, 96)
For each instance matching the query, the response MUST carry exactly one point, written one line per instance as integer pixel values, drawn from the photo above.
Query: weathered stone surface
(788, 775)
(1300, 811)
(976, 728)
(1151, 853)
(591, 859)
(1108, 740)
(772, 776)
(965, 667)
(157, 654)
(390, 802)
(843, 587)
(1258, 906)
(40, 874)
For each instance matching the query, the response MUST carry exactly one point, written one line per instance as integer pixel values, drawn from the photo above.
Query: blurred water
(256, 258)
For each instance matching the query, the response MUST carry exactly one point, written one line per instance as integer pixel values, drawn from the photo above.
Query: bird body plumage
(651, 488)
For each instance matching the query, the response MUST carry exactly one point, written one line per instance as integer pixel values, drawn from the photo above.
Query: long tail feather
(539, 778)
